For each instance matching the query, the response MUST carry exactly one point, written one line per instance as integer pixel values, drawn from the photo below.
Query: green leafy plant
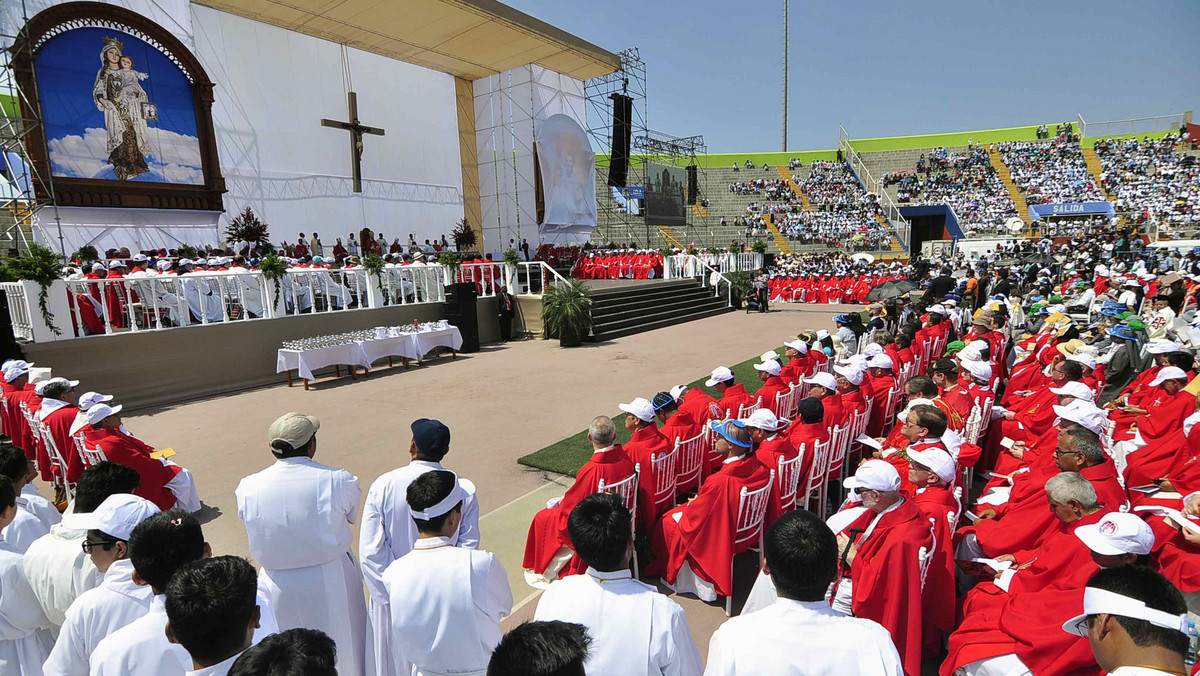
(464, 236)
(247, 227)
(186, 251)
(86, 255)
(511, 257)
(273, 268)
(713, 250)
(567, 310)
(739, 281)
(759, 246)
(41, 265)
(450, 261)
(374, 264)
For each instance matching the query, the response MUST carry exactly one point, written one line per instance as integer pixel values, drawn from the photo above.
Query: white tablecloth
(365, 353)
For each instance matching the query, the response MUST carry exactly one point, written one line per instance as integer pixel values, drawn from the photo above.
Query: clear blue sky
(896, 67)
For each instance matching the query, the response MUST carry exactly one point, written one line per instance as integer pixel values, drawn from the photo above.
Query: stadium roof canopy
(470, 39)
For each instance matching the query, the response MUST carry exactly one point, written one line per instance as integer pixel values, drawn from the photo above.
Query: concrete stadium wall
(158, 368)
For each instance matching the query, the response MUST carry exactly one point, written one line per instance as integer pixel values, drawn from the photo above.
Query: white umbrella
(863, 258)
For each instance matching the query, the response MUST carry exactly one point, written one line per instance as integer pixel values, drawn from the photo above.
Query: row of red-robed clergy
(1042, 545)
(627, 265)
(827, 288)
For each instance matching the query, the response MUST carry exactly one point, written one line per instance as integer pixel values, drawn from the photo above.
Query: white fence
(733, 262)
(91, 307)
(686, 266)
(1137, 125)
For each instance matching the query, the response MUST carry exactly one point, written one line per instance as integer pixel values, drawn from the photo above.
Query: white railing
(1137, 125)
(18, 310)
(733, 262)
(890, 210)
(532, 277)
(687, 266)
(412, 284)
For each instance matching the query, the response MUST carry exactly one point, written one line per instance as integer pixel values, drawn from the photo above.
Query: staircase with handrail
(1014, 192)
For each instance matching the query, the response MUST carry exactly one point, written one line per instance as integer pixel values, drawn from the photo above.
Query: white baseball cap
(99, 412)
(1101, 601)
(937, 460)
(822, 334)
(823, 379)
(969, 353)
(89, 399)
(979, 370)
(677, 392)
(872, 349)
(139, 258)
(116, 516)
(1083, 358)
(771, 366)
(97, 266)
(763, 419)
(719, 375)
(1168, 373)
(769, 355)
(850, 372)
(640, 408)
(114, 264)
(1082, 413)
(797, 345)
(1161, 346)
(1117, 533)
(1075, 389)
(880, 361)
(937, 309)
(41, 387)
(875, 475)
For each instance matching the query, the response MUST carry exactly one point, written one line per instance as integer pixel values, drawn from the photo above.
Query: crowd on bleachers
(772, 188)
(966, 182)
(1149, 180)
(1051, 172)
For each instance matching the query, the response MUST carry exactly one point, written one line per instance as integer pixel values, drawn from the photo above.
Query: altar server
(118, 600)
(446, 601)
(25, 639)
(541, 649)
(292, 652)
(298, 514)
(35, 514)
(55, 564)
(799, 634)
(635, 630)
(388, 531)
(212, 612)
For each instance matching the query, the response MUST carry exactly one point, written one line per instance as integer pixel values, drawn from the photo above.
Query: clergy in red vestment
(882, 382)
(696, 403)
(932, 471)
(645, 444)
(17, 390)
(57, 414)
(799, 364)
(945, 375)
(547, 548)
(1032, 415)
(733, 394)
(805, 432)
(771, 447)
(15, 373)
(823, 387)
(677, 425)
(693, 543)
(849, 380)
(114, 294)
(881, 575)
(104, 431)
(1159, 419)
(1020, 522)
(772, 385)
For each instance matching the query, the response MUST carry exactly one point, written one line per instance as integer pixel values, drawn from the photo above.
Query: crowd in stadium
(1051, 172)
(966, 182)
(1150, 180)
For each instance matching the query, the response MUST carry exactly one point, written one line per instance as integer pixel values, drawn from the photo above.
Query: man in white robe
(800, 634)
(446, 601)
(55, 564)
(635, 630)
(35, 514)
(158, 547)
(212, 612)
(25, 639)
(118, 600)
(298, 514)
(388, 532)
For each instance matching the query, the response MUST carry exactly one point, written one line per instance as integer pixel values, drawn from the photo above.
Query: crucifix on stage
(356, 130)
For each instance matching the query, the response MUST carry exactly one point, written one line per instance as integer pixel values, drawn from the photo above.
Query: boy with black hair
(55, 564)
(542, 649)
(27, 640)
(1136, 622)
(446, 601)
(212, 612)
(635, 630)
(295, 652)
(35, 514)
(799, 633)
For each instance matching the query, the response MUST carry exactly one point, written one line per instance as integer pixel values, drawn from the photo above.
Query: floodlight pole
(785, 74)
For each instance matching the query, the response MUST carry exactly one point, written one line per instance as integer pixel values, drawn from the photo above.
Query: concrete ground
(501, 403)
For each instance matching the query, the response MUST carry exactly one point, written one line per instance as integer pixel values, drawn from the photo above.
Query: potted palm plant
(567, 311)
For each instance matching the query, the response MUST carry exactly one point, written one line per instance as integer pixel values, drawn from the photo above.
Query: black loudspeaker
(460, 310)
(618, 164)
(693, 190)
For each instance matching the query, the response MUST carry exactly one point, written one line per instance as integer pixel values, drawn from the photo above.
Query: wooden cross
(356, 130)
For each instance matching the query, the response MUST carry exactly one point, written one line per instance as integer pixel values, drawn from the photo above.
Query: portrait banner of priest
(567, 177)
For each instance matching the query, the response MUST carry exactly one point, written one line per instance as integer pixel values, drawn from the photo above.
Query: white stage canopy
(137, 229)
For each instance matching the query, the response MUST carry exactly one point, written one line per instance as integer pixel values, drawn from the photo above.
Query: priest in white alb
(446, 601)
(635, 630)
(388, 532)
(25, 639)
(298, 514)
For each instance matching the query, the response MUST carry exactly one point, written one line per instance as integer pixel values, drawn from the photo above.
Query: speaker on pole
(693, 185)
(622, 129)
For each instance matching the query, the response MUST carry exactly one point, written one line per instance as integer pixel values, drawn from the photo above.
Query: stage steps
(1095, 168)
(1014, 192)
(618, 312)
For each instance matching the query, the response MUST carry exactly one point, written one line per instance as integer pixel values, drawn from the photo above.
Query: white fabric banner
(136, 229)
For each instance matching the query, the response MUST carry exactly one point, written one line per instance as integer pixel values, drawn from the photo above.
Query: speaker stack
(693, 186)
(618, 165)
(460, 310)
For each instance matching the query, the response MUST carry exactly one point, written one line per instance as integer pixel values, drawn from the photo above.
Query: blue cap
(1122, 331)
(431, 436)
(1109, 312)
(722, 426)
(1043, 311)
(842, 318)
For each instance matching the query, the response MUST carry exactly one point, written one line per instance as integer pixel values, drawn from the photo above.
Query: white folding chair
(57, 462)
(665, 476)
(752, 511)
(691, 453)
(626, 489)
(745, 410)
(835, 465)
(786, 403)
(925, 555)
(788, 481)
(89, 456)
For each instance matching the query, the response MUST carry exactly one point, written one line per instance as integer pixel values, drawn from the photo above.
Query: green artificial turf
(568, 455)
